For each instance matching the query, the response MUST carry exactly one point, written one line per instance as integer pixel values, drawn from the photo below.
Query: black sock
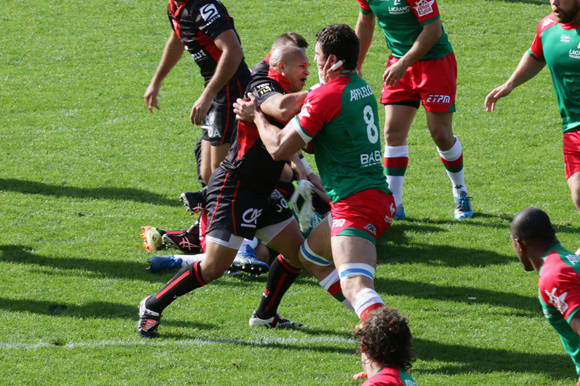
(280, 278)
(187, 279)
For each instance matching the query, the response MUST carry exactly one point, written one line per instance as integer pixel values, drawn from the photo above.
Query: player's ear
(332, 59)
(519, 244)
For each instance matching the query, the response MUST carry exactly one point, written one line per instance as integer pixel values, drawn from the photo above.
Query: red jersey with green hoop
(390, 376)
(402, 21)
(341, 119)
(559, 46)
(559, 293)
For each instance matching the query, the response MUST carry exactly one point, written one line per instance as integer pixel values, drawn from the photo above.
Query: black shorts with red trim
(234, 206)
(220, 124)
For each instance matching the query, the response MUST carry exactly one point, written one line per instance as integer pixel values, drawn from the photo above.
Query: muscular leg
(211, 157)
(283, 271)
(218, 154)
(217, 261)
(441, 129)
(327, 276)
(359, 290)
(451, 155)
(398, 121)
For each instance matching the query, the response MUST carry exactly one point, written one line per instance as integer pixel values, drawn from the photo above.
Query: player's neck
(538, 251)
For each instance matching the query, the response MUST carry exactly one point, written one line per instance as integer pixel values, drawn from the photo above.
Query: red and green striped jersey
(402, 21)
(342, 121)
(559, 46)
(391, 376)
(559, 293)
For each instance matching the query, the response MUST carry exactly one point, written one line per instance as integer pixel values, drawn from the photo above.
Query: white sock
(366, 300)
(189, 259)
(396, 181)
(332, 285)
(453, 161)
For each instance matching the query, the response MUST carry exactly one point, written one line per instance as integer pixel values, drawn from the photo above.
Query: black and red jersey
(198, 23)
(262, 67)
(248, 157)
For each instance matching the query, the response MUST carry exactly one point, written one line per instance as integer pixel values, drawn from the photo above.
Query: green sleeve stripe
(534, 56)
(429, 21)
(365, 12)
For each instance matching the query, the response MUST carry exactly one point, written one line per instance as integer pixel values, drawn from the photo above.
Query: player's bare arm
(425, 41)
(526, 70)
(283, 107)
(230, 59)
(365, 27)
(171, 54)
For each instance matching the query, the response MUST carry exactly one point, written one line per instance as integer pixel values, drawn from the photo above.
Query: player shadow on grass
(499, 220)
(527, 305)
(467, 360)
(94, 309)
(114, 194)
(394, 246)
(92, 268)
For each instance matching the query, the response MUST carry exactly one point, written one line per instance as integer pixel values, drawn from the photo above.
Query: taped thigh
(312, 257)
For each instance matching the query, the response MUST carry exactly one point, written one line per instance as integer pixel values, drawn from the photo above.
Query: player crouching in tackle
(241, 203)
(340, 121)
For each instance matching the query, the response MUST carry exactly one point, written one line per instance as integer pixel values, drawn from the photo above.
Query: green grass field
(84, 166)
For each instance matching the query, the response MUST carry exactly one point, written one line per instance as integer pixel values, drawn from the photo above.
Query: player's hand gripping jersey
(559, 46)
(248, 158)
(559, 293)
(402, 21)
(198, 23)
(341, 119)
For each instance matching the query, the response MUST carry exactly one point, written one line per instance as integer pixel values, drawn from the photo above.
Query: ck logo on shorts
(338, 223)
(250, 218)
(438, 99)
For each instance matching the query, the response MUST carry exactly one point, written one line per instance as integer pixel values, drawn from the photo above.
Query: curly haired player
(386, 348)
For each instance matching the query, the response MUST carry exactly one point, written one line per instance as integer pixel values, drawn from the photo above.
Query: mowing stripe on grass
(264, 341)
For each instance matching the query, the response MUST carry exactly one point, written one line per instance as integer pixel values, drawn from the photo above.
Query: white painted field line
(264, 341)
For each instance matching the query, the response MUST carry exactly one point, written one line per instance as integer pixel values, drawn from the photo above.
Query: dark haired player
(386, 349)
(538, 249)
(421, 69)
(206, 30)
(557, 44)
(339, 120)
(242, 203)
